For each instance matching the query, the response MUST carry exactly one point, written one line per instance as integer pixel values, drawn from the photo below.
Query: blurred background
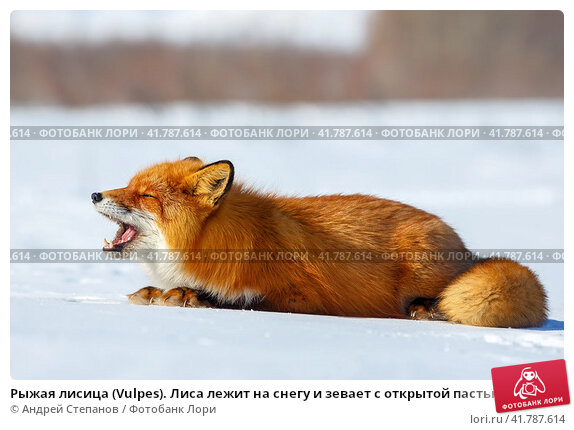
(82, 58)
(336, 68)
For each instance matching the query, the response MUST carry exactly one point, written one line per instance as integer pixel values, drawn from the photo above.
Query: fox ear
(192, 159)
(211, 182)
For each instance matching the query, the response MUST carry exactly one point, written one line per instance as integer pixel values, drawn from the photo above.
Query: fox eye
(148, 195)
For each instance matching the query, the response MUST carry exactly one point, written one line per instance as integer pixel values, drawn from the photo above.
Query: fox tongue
(126, 236)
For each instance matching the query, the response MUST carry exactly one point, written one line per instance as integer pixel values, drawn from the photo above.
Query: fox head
(165, 200)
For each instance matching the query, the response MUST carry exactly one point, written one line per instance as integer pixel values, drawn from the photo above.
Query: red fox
(190, 207)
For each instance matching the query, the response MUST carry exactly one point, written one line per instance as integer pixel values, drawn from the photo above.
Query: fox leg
(425, 309)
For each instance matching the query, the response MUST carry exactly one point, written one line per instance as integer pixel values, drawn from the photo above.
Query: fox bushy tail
(495, 293)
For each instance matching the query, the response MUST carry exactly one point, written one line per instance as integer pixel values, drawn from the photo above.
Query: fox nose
(96, 197)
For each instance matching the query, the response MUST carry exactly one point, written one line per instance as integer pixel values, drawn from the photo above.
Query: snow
(72, 321)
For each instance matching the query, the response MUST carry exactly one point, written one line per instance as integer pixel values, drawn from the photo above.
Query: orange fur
(198, 207)
(495, 293)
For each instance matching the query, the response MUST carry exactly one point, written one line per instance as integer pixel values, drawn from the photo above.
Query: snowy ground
(72, 321)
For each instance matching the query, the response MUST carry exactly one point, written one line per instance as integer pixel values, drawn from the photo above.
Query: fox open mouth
(125, 234)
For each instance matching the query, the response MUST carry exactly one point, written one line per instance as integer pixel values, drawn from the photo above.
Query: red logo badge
(529, 386)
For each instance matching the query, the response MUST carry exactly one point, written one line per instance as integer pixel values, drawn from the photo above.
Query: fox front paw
(145, 296)
(180, 296)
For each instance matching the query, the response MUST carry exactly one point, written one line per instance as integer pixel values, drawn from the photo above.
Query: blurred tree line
(408, 54)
